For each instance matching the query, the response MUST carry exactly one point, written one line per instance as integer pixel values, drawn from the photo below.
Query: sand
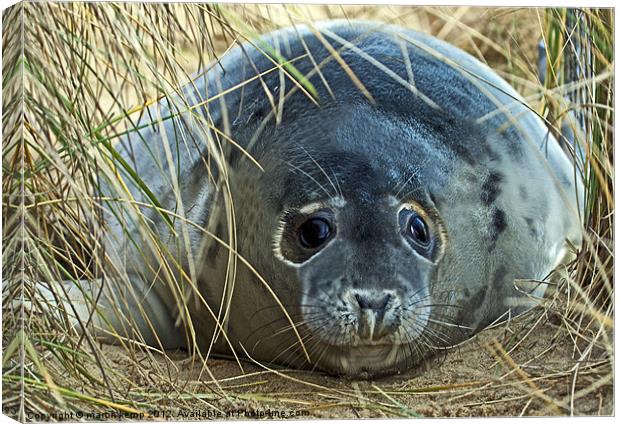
(474, 379)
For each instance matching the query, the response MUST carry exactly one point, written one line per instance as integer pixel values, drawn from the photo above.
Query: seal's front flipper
(112, 311)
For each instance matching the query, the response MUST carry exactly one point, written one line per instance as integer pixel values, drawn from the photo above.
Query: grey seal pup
(349, 196)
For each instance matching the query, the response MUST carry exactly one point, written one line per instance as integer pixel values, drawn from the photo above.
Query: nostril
(362, 301)
(379, 303)
(383, 302)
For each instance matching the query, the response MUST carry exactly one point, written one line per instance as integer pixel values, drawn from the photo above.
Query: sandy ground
(471, 380)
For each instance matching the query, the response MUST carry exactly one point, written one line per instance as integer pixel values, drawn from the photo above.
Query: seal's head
(357, 239)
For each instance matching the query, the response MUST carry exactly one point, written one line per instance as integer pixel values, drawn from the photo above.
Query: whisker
(320, 168)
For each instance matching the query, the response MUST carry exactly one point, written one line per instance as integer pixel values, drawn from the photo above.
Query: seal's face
(359, 240)
(364, 265)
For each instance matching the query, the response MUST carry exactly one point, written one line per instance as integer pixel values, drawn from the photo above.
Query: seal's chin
(365, 360)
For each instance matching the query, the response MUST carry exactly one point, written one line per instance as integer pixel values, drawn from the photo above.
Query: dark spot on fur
(531, 227)
(498, 225)
(512, 138)
(491, 188)
(499, 277)
(499, 222)
(566, 180)
(476, 301)
(523, 192)
(471, 177)
(463, 153)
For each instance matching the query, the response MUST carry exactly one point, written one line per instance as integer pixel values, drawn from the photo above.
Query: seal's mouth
(366, 360)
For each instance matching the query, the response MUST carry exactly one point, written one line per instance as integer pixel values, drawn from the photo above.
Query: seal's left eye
(418, 230)
(314, 232)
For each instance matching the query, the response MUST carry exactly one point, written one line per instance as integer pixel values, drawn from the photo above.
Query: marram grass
(78, 75)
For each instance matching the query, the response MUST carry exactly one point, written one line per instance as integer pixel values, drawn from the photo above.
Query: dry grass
(87, 71)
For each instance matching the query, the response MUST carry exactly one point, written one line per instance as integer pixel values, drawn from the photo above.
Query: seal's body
(382, 187)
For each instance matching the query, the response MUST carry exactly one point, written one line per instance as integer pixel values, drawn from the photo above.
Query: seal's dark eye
(418, 230)
(314, 232)
(421, 235)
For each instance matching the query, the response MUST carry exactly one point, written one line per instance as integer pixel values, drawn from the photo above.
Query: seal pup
(382, 187)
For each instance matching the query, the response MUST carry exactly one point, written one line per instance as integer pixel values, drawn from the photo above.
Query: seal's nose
(370, 302)
(375, 313)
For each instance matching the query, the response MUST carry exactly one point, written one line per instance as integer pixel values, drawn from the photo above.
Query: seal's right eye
(314, 232)
(302, 233)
